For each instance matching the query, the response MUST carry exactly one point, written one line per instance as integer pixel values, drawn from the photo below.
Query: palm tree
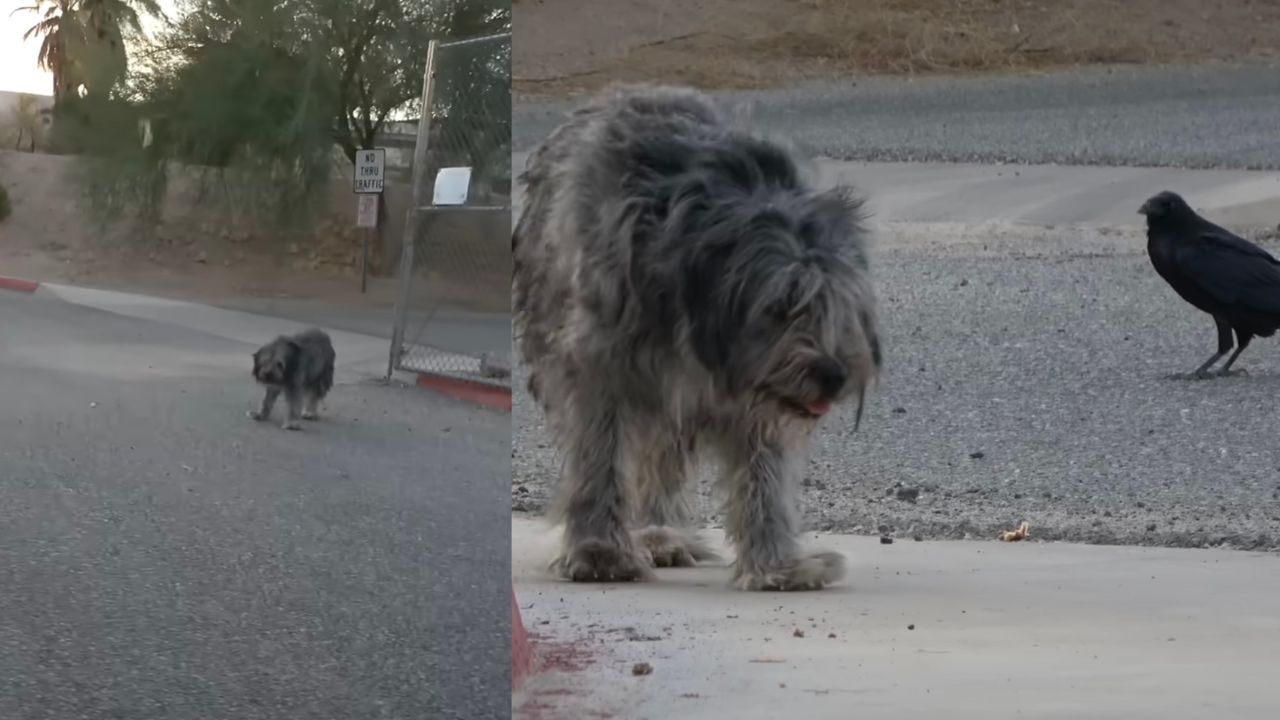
(59, 27)
(105, 24)
(104, 16)
(84, 40)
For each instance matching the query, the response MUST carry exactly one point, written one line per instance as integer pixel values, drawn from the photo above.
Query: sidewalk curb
(521, 649)
(476, 393)
(18, 284)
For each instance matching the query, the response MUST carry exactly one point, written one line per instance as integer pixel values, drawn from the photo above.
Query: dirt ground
(566, 47)
(48, 238)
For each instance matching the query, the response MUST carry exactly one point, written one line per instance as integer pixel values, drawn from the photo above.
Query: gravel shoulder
(1027, 378)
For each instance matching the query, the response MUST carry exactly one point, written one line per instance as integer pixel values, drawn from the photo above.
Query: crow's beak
(1145, 209)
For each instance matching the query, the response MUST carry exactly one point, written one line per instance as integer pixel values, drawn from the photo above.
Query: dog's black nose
(829, 375)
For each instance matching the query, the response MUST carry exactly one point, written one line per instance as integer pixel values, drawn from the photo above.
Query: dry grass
(753, 43)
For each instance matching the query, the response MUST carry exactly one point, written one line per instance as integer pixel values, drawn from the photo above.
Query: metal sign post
(368, 181)
(413, 216)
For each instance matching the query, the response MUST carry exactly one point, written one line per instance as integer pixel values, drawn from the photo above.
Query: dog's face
(270, 362)
(783, 307)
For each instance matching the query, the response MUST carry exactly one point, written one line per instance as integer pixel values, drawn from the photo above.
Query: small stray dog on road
(301, 367)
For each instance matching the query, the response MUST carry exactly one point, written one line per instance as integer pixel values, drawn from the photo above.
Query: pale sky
(18, 71)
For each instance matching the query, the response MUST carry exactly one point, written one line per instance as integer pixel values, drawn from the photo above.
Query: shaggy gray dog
(678, 288)
(301, 367)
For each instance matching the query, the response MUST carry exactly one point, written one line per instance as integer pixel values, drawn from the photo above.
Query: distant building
(9, 100)
(399, 139)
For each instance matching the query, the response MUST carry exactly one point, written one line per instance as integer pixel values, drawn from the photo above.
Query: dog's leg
(663, 468)
(763, 524)
(597, 546)
(310, 401)
(293, 401)
(268, 402)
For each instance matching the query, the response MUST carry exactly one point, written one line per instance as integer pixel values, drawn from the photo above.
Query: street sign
(451, 186)
(367, 211)
(371, 167)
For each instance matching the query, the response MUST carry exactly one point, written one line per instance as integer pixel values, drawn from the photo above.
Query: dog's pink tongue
(819, 408)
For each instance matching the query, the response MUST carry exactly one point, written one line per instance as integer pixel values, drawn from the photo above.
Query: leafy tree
(261, 94)
(25, 122)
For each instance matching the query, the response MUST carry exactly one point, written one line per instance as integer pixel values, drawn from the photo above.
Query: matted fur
(300, 367)
(677, 288)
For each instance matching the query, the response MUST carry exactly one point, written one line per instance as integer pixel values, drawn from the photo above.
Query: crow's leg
(1224, 347)
(1242, 341)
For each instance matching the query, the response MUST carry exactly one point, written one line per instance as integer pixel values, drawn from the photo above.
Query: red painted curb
(472, 392)
(17, 285)
(521, 650)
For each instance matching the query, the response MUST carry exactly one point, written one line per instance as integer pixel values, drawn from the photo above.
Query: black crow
(1235, 281)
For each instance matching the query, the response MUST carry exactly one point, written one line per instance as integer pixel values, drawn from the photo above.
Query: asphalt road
(161, 556)
(452, 330)
(1027, 378)
(1207, 117)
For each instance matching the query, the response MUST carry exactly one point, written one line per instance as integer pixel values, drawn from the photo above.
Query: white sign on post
(451, 186)
(367, 211)
(371, 166)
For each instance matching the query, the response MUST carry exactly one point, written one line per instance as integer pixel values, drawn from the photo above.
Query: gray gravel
(161, 556)
(1027, 378)
(1202, 117)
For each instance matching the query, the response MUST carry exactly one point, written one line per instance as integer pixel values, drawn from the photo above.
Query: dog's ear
(711, 309)
(834, 221)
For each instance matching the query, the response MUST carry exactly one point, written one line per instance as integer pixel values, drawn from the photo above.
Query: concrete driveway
(162, 556)
(918, 630)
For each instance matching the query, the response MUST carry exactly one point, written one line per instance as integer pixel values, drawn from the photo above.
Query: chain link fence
(453, 311)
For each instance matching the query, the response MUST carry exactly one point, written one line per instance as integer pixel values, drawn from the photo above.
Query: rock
(491, 367)
(908, 494)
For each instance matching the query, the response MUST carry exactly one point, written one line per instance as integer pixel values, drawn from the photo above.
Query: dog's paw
(812, 572)
(255, 415)
(310, 416)
(291, 425)
(598, 561)
(673, 547)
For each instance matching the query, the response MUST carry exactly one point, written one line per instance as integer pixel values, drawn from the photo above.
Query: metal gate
(453, 310)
